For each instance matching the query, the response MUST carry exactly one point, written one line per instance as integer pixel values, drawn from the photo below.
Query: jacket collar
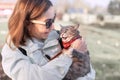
(32, 45)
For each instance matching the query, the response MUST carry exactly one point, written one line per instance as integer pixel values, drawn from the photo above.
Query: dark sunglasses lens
(49, 23)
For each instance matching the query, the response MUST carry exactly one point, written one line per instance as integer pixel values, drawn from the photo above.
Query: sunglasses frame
(48, 23)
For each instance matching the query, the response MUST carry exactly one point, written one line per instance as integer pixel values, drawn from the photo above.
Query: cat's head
(69, 32)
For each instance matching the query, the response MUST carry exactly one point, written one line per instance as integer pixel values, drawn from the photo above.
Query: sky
(93, 3)
(103, 3)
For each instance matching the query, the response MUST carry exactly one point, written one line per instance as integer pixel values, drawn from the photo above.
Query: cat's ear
(76, 26)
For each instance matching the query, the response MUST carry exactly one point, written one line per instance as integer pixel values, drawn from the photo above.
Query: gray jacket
(35, 66)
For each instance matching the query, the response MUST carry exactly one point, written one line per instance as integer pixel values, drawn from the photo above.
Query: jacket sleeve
(19, 67)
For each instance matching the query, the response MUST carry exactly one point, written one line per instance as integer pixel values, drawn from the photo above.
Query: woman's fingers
(80, 45)
(83, 46)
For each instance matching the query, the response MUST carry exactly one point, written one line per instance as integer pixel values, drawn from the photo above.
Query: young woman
(29, 27)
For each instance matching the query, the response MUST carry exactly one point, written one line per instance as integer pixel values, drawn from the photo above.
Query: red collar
(66, 45)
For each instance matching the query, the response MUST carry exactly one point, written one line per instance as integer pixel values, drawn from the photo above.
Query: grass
(3, 32)
(104, 46)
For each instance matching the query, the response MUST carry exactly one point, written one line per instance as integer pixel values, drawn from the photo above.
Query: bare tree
(114, 7)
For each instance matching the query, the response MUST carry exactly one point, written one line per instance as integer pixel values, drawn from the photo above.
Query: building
(6, 8)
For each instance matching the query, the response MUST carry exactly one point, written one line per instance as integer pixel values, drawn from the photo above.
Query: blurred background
(99, 24)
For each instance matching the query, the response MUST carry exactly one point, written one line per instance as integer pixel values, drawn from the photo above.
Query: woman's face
(39, 30)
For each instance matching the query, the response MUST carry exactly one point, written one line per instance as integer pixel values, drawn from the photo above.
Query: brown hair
(24, 11)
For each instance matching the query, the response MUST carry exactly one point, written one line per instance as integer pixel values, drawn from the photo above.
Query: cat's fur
(81, 61)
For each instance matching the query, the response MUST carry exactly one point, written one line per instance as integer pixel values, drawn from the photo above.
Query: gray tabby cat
(81, 61)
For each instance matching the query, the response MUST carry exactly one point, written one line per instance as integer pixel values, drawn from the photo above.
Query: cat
(81, 61)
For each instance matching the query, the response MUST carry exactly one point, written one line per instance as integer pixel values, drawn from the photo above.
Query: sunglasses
(48, 22)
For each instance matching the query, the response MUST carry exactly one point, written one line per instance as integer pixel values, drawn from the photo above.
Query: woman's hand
(68, 51)
(80, 45)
